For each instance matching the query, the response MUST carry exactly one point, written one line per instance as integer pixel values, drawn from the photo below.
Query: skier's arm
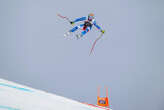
(79, 19)
(98, 27)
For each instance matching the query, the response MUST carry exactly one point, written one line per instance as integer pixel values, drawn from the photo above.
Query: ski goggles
(90, 17)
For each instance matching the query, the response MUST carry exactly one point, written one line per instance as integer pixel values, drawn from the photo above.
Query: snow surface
(17, 97)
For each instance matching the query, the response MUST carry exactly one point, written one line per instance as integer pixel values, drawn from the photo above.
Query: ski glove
(103, 31)
(71, 22)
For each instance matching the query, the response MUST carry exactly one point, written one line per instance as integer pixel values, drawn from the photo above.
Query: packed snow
(17, 97)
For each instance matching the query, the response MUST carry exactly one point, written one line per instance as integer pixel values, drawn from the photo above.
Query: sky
(128, 59)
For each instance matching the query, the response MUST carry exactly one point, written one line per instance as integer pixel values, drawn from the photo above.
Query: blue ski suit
(86, 27)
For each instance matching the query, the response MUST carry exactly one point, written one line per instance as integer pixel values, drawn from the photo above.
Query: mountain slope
(17, 97)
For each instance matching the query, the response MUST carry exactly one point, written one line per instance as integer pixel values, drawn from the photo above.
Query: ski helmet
(90, 16)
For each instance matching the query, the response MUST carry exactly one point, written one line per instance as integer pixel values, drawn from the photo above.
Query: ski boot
(78, 36)
(67, 34)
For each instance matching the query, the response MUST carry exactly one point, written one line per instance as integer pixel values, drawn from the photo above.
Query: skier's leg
(76, 28)
(85, 31)
(70, 31)
(73, 30)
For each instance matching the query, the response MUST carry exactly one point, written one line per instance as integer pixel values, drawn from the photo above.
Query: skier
(86, 26)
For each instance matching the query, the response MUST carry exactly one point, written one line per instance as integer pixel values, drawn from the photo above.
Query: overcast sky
(128, 59)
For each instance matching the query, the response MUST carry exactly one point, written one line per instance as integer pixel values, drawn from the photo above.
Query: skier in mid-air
(89, 21)
(86, 26)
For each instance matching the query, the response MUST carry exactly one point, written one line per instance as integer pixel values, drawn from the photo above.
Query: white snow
(17, 97)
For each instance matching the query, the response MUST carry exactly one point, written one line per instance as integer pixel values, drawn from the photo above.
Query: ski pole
(63, 17)
(93, 46)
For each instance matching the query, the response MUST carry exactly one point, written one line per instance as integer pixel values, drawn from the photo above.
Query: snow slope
(17, 97)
